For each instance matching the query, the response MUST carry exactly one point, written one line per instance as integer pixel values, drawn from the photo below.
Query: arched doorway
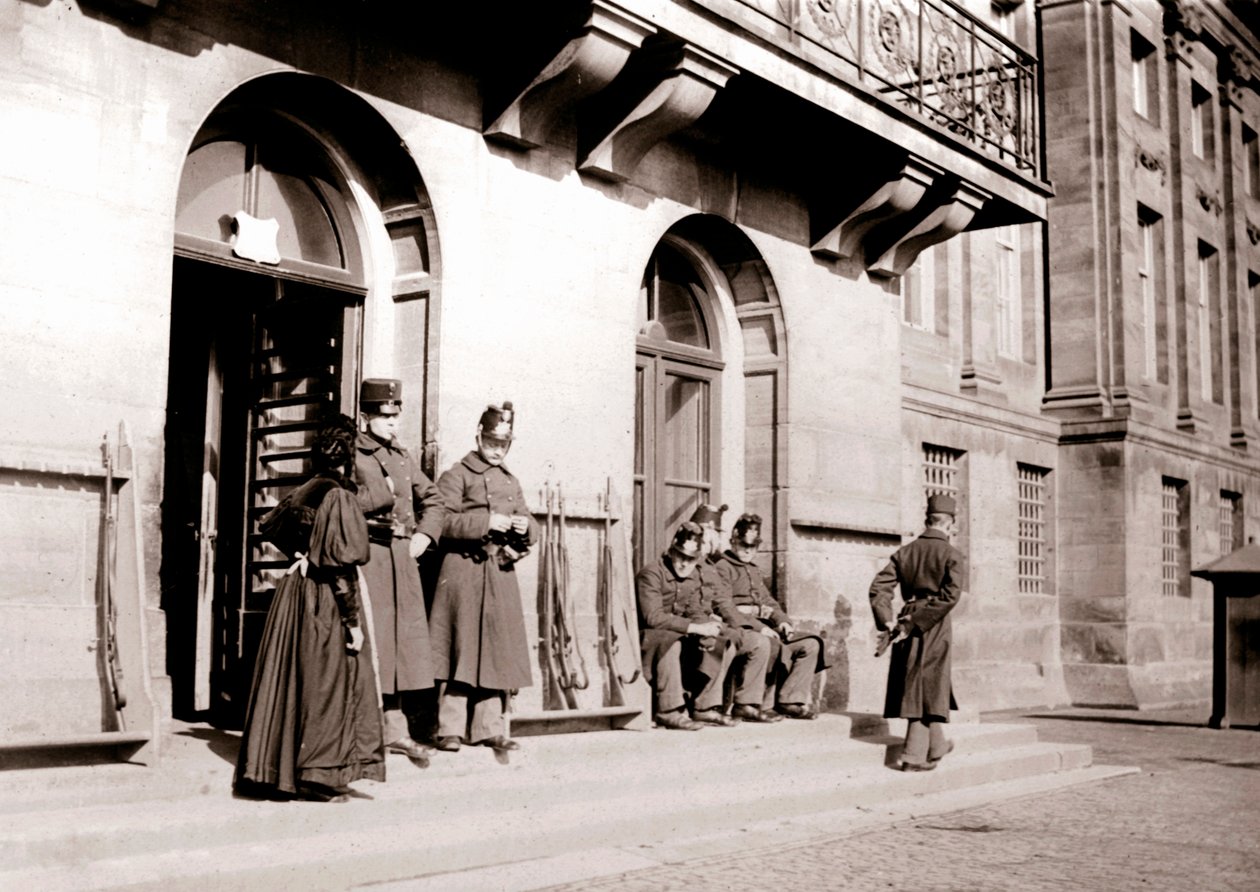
(277, 267)
(711, 386)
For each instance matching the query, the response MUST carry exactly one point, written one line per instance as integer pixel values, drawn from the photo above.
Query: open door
(257, 361)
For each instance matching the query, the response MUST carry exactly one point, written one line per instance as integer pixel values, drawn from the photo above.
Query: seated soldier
(709, 519)
(678, 597)
(677, 628)
(793, 661)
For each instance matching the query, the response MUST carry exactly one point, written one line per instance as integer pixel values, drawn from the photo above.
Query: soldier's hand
(786, 629)
(418, 545)
(520, 524)
(500, 523)
(705, 630)
(355, 644)
(768, 632)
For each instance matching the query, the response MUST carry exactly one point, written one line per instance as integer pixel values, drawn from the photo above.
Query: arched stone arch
(750, 353)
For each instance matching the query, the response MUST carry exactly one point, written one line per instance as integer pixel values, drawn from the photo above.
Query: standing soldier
(404, 517)
(932, 575)
(793, 659)
(478, 627)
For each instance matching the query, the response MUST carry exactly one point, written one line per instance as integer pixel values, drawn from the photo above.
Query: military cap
(688, 541)
(747, 531)
(380, 396)
(708, 514)
(497, 421)
(940, 503)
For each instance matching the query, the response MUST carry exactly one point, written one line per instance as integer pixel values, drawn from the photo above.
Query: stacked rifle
(564, 665)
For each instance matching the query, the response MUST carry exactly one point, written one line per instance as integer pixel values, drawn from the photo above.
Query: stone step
(438, 824)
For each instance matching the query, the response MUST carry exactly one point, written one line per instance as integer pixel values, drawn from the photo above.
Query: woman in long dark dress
(313, 724)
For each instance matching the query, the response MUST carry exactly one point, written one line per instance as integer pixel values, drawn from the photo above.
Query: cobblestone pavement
(1189, 821)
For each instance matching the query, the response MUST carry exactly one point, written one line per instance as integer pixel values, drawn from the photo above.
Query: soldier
(404, 513)
(681, 590)
(793, 660)
(932, 575)
(478, 627)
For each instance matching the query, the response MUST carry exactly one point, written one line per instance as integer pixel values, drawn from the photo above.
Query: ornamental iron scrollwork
(932, 60)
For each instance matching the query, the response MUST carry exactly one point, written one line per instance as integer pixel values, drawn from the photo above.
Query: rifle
(113, 664)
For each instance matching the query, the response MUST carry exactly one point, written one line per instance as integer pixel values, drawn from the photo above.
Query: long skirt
(313, 714)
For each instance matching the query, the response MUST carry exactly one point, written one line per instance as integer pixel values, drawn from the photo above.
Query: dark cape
(314, 714)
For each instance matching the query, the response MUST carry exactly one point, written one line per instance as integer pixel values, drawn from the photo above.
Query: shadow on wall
(836, 694)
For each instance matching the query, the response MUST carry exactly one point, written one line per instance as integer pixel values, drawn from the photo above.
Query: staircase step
(434, 821)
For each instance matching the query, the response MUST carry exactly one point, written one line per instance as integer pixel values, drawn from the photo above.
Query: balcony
(926, 57)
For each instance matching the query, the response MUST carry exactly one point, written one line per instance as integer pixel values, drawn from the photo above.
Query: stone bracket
(679, 97)
(585, 65)
(893, 198)
(944, 221)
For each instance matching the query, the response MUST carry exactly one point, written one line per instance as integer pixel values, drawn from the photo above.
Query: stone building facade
(808, 259)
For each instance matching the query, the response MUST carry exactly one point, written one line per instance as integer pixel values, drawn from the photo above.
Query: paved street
(1189, 820)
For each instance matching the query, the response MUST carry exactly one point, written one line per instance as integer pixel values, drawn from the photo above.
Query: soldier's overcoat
(395, 493)
(477, 626)
(668, 605)
(932, 575)
(745, 585)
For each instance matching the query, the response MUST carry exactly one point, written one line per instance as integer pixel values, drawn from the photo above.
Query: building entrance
(256, 361)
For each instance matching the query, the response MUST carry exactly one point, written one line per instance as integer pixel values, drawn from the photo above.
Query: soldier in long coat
(932, 576)
(478, 626)
(794, 659)
(404, 513)
(681, 638)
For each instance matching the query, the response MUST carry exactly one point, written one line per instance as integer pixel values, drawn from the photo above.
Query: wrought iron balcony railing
(926, 56)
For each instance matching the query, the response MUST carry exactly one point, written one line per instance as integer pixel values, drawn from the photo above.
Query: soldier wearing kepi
(932, 575)
(709, 519)
(404, 513)
(478, 626)
(794, 659)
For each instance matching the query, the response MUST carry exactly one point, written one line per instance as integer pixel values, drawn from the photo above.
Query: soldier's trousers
(793, 683)
(752, 654)
(472, 714)
(670, 692)
(924, 741)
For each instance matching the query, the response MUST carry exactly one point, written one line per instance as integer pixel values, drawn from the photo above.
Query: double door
(257, 362)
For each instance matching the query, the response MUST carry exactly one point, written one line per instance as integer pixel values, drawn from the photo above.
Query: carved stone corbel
(1152, 162)
(677, 100)
(1183, 23)
(948, 219)
(1209, 201)
(1235, 73)
(587, 64)
(895, 197)
(1253, 233)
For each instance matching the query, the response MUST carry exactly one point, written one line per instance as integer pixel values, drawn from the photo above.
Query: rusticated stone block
(1093, 610)
(1146, 645)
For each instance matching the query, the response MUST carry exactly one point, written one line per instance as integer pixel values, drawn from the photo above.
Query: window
(1149, 281)
(1251, 162)
(1202, 123)
(1231, 521)
(1145, 78)
(1176, 538)
(1253, 286)
(1007, 282)
(1210, 354)
(676, 459)
(918, 292)
(943, 472)
(1004, 18)
(1032, 529)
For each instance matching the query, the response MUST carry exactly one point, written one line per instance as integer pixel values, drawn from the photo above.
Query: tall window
(676, 399)
(1175, 528)
(1146, 286)
(918, 292)
(1230, 521)
(943, 472)
(1251, 162)
(1004, 18)
(1145, 78)
(1007, 282)
(1210, 353)
(1032, 529)
(1202, 122)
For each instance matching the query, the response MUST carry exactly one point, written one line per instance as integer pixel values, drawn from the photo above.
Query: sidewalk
(1190, 819)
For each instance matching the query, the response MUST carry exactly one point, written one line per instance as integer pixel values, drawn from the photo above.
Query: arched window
(677, 399)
